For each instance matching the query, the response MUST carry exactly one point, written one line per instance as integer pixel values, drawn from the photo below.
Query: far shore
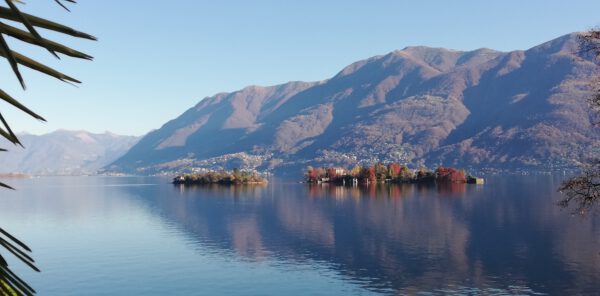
(15, 176)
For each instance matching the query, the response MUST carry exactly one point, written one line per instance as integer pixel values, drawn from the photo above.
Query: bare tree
(584, 190)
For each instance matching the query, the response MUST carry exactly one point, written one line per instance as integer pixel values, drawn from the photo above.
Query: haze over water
(144, 236)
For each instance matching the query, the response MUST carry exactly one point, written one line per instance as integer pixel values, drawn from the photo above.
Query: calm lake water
(143, 236)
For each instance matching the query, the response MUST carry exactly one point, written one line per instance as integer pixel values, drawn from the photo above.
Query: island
(391, 173)
(235, 177)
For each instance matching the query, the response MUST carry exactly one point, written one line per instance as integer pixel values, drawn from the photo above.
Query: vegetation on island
(391, 173)
(220, 177)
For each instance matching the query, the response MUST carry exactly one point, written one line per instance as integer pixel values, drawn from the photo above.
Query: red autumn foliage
(371, 174)
(312, 174)
(395, 169)
(331, 173)
(449, 174)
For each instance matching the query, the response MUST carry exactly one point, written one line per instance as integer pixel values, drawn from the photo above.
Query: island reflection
(398, 237)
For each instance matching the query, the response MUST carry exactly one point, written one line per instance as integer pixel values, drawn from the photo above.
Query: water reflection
(393, 191)
(242, 190)
(506, 237)
(507, 234)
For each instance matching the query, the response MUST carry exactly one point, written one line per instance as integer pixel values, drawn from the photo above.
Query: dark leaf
(10, 132)
(7, 98)
(14, 239)
(32, 64)
(51, 45)
(11, 59)
(6, 13)
(25, 22)
(5, 186)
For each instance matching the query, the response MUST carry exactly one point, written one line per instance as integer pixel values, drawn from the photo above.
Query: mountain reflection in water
(504, 237)
(406, 237)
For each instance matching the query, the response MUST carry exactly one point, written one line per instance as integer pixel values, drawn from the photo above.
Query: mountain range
(64, 152)
(419, 106)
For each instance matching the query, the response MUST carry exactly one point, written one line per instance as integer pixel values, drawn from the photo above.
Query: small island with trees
(391, 173)
(235, 177)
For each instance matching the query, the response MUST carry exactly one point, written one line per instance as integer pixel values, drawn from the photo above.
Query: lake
(144, 236)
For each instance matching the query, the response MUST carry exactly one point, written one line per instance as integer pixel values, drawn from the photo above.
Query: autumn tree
(311, 174)
(381, 171)
(394, 170)
(356, 170)
(371, 174)
(331, 173)
(451, 175)
(405, 173)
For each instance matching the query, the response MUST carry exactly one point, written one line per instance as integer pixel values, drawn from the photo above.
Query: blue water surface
(144, 236)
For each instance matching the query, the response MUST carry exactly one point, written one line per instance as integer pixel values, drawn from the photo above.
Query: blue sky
(155, 59)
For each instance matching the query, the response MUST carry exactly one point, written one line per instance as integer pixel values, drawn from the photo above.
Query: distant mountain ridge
(419, 105)
(64, 152)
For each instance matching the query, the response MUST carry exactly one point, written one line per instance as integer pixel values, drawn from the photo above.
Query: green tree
(381, 171)
(10, 283)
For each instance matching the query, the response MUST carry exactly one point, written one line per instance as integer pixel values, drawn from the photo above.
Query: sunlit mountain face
(419, 105)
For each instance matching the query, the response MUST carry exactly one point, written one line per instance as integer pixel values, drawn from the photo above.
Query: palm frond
(9, 131)
(10, 283)
(6, 13)
(7, 98)
(32, 64)
(6, 186)
(5, 50)
(32, 39)
(26, 23)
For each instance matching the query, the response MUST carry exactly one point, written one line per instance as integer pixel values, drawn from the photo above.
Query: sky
(156, 59)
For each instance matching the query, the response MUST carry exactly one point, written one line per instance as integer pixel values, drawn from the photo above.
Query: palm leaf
(6, 13)
(8, 136)
(11, 284)
(32, 39)
(32, 64)
(7, 98)
(5, 186)
(11, 134)
(14, 239)
(26, 23)
(62, 5)
(11, 59)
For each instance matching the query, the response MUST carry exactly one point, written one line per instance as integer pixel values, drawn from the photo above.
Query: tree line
(382, 173)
